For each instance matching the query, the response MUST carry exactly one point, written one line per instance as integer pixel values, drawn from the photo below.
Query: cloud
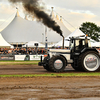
(74, 11)
(90, 5)
(81, 11)
(7, 13)
(77, 11)
(6, 9)
(76, 18)
(73, 3)
(1, 20)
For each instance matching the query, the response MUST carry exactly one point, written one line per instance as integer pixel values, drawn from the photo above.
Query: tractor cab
(79, 43)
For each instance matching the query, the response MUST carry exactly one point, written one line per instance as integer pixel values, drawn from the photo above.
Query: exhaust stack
(63, 43)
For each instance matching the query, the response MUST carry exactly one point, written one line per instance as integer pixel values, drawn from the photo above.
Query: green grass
(19, 62)
(44, 75)
(55, 75)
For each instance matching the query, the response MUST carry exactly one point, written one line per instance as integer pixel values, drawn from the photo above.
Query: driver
(80, 44)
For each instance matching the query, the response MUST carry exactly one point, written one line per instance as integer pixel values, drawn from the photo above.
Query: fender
(89, 49)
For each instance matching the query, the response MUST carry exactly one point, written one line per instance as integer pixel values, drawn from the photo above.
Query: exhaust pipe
(63, 43)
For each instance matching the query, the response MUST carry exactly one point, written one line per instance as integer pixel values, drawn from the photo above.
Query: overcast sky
(74, 11)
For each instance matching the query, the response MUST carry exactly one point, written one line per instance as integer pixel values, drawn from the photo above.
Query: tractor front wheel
(57, 64)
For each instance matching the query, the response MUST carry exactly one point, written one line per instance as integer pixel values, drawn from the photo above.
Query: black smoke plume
(33, 7)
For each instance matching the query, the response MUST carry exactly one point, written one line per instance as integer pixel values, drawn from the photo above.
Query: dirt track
(27, 69)
(46, 88)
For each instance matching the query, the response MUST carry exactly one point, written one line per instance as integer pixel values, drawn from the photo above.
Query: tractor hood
(59, 50)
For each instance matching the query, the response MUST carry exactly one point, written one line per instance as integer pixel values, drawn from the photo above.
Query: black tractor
(81, 56)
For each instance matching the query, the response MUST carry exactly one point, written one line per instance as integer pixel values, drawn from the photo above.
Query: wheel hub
(58, 64)
(91, 62)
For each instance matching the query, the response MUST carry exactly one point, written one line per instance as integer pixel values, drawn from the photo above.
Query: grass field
(18, 62)
(44, 75)
(56, 75)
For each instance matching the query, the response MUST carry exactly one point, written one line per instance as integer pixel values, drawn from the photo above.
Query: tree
(91, 29)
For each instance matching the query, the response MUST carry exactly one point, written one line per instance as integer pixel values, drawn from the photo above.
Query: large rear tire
(89, 61)
(57, 64)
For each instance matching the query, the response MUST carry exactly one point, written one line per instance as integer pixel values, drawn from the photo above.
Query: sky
(73, 12)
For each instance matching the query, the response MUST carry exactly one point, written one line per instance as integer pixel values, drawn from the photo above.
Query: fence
(20, 57)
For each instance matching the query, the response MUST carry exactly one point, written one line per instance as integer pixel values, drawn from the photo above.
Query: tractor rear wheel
(89, 61)
(57, 64)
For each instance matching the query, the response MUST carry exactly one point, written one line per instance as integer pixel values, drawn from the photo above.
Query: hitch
(41, 58)
(40, 63)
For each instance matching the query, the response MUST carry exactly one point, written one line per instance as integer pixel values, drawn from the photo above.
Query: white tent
(22, 31)
(77, 32)
(32, 44)
(3, 42)
(94, 43)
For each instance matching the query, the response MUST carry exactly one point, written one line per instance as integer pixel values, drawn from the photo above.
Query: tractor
(80, 55)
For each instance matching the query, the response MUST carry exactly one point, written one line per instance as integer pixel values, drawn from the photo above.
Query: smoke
(33, 7)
